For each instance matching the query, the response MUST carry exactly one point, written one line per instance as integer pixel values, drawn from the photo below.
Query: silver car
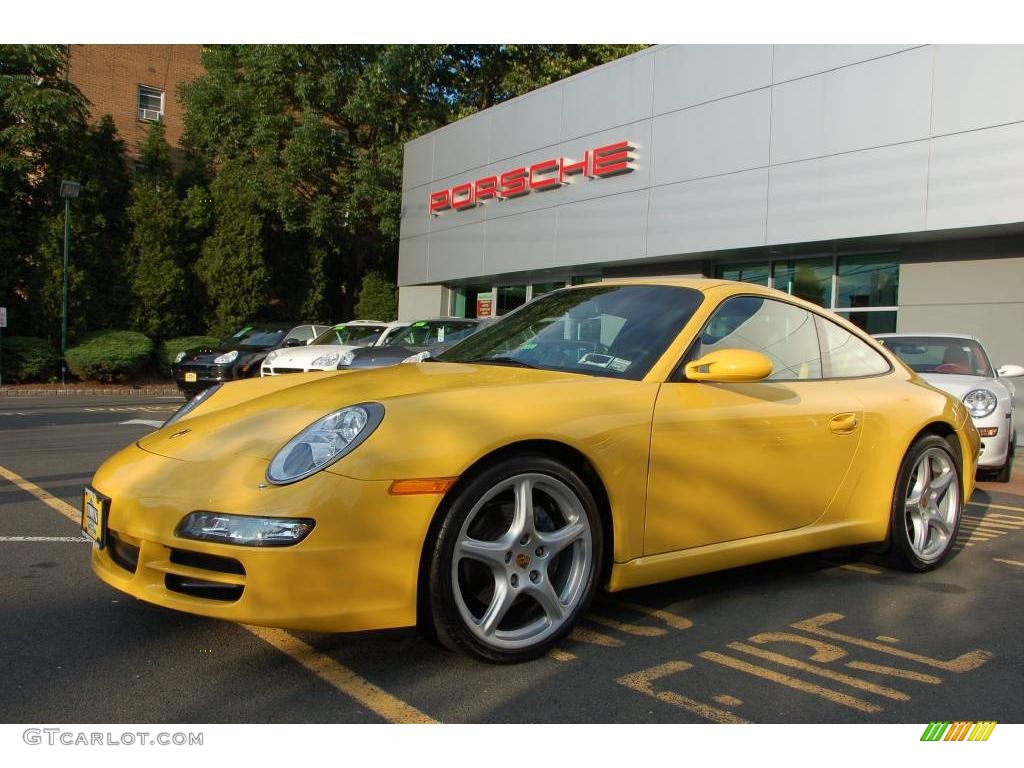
(958, 364)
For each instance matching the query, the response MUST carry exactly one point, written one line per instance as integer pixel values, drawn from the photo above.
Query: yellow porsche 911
(603, 436)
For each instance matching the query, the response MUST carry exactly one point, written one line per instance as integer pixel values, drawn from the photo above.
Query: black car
(427, 337)
(237, 356)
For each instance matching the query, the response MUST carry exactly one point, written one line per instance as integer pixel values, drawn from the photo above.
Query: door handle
(843, 423)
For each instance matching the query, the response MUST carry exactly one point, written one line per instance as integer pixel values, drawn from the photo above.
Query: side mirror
(730, 365)
(1011, 371)
(294, 342)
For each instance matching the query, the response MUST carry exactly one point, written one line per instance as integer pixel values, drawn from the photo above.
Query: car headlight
(346, 358)
(331, 358)
(192, 404)
(244, 530)
(419, 357)
(324, 442)
(980, 403)
(270, 358)
(179, 357)
(227, 357)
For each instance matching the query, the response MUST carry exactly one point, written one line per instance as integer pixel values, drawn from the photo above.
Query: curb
(92, 391)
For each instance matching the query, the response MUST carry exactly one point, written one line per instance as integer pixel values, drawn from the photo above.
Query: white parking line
(155, 424)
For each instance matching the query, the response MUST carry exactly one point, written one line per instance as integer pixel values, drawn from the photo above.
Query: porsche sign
(600, 162)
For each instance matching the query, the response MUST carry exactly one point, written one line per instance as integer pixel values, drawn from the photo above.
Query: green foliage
(378, 298)
(157, 263)
(110, 356)
(28, 358)
(286, 191)
(169, 349)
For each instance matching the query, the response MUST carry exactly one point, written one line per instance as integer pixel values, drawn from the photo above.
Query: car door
(732, 461)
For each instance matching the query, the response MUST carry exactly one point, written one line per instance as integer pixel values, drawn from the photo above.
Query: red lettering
(567, 167)
(612, 159)
(487, 187)
(513, 183)
(543, 167)
(463, 189)
(440, 201)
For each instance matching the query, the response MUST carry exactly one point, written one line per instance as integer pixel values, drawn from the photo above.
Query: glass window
(510, 297)
(784, 333)
(150, 103)
(260, 337)
(351, 335)
(809, 279)
(602, 330)
(871, 322)
(941, 354)
(425, 332)
(539, 289)
(868, 281)
(754, 272)
(846, 356)
(301, 332)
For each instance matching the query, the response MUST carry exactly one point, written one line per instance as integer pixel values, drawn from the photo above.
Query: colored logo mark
(958, 731)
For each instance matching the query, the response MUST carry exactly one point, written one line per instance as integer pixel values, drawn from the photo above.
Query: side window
(784, 333)
(846, 356)
(302, 333)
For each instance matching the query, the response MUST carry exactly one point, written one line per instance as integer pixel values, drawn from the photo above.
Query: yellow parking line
(560, 655)
(1008, 562)
(381, 702)
(72, 514)
(629, 629)
(673, 620)
(994, 506)
(861, 569)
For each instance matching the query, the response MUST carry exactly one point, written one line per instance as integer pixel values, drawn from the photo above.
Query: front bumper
(994, 450)
(357, 569)
(206, 376)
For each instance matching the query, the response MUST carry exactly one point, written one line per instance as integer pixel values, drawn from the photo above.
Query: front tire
(927, 506)
(516, 560)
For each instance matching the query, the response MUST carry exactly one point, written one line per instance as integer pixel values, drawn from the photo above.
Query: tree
(42, 124)
(378, 298)
(156, 262)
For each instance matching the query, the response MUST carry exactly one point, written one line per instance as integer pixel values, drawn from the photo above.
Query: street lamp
(68, 190)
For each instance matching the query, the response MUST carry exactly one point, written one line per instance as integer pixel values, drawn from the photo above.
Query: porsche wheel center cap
(523, 560)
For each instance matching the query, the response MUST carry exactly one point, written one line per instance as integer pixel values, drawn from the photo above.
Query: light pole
(68, 190)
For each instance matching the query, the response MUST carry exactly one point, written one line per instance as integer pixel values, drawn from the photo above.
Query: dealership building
(885, 182)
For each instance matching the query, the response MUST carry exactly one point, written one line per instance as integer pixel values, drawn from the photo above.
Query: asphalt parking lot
(833, 637)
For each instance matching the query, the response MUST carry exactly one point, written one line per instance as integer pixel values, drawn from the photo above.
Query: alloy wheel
(522, 561)
(932, 505)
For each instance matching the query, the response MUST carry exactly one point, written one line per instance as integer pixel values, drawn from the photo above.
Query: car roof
(933, 334)
(360, 322)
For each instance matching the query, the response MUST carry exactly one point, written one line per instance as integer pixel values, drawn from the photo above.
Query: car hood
(260, 425)
(302, 355)
(206, 354)
(958, 385)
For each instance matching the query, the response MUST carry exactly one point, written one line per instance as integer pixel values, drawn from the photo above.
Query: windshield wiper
(503, 360)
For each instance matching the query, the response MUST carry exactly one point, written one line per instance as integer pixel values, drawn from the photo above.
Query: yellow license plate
(94, 516)
(190, 376)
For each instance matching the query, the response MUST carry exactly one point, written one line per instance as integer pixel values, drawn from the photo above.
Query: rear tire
(516, 561)
(927, 505)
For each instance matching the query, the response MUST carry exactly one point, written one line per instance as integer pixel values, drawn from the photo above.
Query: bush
(378, 298)
(110, 356)
(170, 349)
(27, 358)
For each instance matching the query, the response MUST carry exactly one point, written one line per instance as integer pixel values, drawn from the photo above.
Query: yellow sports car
(603, 436)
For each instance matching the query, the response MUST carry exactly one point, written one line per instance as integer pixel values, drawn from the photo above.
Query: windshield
(254, 336)
(352, 335)
(604, 330)
(426, 332)
(941, 354)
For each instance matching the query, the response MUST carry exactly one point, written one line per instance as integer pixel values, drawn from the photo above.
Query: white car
(959, 365)
(323, 352)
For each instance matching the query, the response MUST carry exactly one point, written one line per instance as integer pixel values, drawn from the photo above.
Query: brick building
(136, 84)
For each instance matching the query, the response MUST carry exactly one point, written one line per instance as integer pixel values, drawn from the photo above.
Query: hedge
(170, 349)
(27, 358)
(110, 356)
